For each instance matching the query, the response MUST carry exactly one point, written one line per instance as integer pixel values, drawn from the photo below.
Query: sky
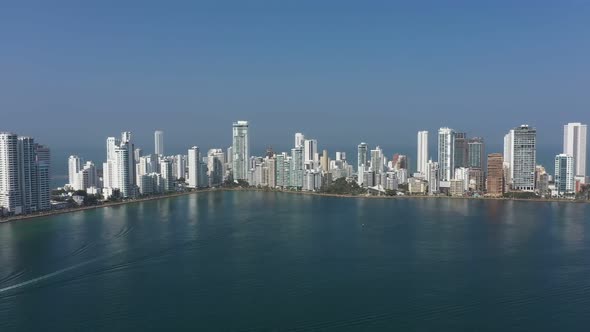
(74, 72)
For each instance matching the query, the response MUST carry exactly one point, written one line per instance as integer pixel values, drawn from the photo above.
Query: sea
(271, 261)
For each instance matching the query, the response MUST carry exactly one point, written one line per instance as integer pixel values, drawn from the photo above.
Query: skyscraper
(10, 195)
(495, 178)
(446, 153)
(475, 153)
(460, 155)
(362, 155)
(299, 140)
(377, 160)
(310, 151)
(194, 167)
(159, 142)
(74, 166)
(240, 150)
(325, 161)
(564, 173)
(524, 158)
(574, 144)
(24, 175)
(297, 167)
(422, 166)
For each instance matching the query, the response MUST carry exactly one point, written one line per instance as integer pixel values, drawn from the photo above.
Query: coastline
(308, 193)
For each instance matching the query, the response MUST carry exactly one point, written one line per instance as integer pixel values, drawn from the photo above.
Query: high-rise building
(523, 158)
(432, 177)
(362, 155)
(240, 150)
(159, 142)
(325, 161)
(508, 145)
(124, 171)
(297, 170)
(87, 177)
(215, 167)
(138, 154)
(24, 175)
(10, 194)
(461, 150)
(564, 174)
(299, 140)
(446, 153)
(43, 155)
(310, 152)
(377, 160)
(475, 153)
(194, 167)
(495, 178)
(422, 165)
(166, 175)
(574, 144)
(74, 166)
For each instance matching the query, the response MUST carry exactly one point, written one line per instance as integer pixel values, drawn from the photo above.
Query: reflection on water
(275, 261)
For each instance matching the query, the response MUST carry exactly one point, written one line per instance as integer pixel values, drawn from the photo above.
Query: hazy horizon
(339, 71)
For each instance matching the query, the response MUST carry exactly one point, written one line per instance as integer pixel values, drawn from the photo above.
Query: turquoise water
(255, 261)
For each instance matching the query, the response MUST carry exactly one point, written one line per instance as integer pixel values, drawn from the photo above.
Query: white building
(432, 177)
(215, 167)
(422, 165)
(74, 166)
(462, 173)
(194, 167)
(446, 153)
(377, 161)
(299, 140)
(159, 142)
(574, 144)
(240, 150)
(24, 175)
(564, 174)
(87, 177)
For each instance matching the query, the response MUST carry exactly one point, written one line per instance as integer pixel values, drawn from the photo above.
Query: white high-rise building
(119, 171)
(194, 167)
(159, 142)
(74, 166)
(446, 153)
(10, 199)
(422, 166)
(462, 173)
(166, 175)
(523, 157)
(574, 144)
(87, 177)
(240, 150)
(377, 160)
(179, 166)
(124, 172)
(215, 167)
(299, 140)
(24, 175)
(564, 174)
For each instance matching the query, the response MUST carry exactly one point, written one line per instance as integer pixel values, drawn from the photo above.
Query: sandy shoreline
(153, 198)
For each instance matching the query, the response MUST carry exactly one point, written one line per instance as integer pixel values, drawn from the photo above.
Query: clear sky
(72, 73)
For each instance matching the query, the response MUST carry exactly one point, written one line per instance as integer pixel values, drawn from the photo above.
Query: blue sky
(73, 73)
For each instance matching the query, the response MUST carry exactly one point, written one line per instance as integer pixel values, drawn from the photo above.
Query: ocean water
(255, 261)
